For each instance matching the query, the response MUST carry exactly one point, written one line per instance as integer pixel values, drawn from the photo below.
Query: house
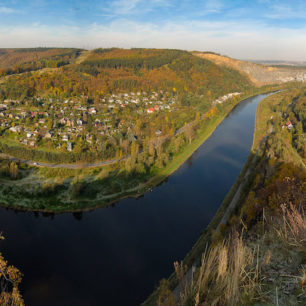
(32, 143)
(13, 129)
(65, 137)
(24, 114)
(68, 122)
(69, 146)
(92, 111)
(133, 138)
(89, 138)
(29, 134)
(3, 107)
(150, 110)
(158, 132)
(289, 125)
(49, 134)
(63, 121)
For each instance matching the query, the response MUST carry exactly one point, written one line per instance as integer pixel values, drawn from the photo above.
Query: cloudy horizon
(262, 30)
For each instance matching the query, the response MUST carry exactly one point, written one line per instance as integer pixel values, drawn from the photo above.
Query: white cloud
(7, 10)
(284, 11)
(213, 6)
(249, 40)
(126, 7)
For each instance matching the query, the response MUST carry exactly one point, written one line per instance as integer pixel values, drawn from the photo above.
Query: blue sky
(258, 29)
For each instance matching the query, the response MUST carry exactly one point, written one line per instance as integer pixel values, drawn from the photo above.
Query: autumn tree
(13, 170)
(189, 132)
(10, 279)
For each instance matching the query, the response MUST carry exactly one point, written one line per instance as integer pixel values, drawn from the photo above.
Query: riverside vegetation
(106, 124)
(10, 279)
(257, 257)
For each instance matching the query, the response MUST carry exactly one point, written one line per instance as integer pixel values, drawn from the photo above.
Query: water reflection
(189, 162)
(78, 215)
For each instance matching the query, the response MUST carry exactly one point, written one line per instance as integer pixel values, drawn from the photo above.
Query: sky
(253, 29)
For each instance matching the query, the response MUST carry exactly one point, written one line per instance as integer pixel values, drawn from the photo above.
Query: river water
(117, 255)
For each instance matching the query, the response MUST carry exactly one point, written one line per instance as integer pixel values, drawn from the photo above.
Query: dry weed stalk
(293, 229)
(227, 274)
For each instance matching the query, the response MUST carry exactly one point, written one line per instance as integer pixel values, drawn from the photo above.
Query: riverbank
(234, 198)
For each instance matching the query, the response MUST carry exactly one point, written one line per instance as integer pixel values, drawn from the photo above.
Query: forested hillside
(117, 70)
(13, 61)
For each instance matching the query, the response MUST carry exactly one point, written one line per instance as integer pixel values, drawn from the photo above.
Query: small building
(69, 146)
(92, 111)
(49, 134)
(158, 132)
(15, 129)
(289, 125)
(32, 143)
(65, 137)
(29, 134)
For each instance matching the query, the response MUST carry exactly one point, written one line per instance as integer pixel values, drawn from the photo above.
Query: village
(226, 97)
(66, 124)
(299, 77)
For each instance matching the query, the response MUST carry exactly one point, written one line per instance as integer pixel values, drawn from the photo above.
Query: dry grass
(235, 273)
(228, 275)
(293, 227)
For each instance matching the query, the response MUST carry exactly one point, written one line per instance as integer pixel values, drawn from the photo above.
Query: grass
(227, 275)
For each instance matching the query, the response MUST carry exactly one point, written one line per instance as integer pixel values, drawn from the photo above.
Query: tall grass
(293, 227)
(231, 272)
(228, 275)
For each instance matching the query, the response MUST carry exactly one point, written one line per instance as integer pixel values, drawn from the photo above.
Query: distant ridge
(279, 63)
(259, 74)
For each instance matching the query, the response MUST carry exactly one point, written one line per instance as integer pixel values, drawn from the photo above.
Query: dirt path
(83, 56)
(79, 165)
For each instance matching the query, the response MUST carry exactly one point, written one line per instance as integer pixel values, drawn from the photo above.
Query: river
(117, 255)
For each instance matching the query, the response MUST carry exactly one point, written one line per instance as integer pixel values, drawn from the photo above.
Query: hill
(14, 61)
(258, 74)
(115, 70)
